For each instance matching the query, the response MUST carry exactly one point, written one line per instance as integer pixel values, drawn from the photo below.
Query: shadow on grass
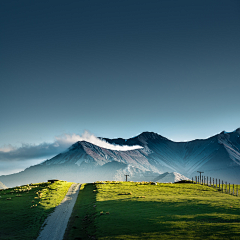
(166, 220)
(82, 221)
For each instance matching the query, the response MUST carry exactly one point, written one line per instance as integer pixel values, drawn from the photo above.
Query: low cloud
(7, 148)
(88, 137)
(61, 143)
(29, 151)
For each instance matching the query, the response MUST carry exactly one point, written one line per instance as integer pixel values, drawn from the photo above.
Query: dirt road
(56, 223)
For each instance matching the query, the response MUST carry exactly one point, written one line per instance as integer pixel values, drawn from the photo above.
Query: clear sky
(118, 68)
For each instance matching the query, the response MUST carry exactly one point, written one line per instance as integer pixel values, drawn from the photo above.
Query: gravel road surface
(56, 222)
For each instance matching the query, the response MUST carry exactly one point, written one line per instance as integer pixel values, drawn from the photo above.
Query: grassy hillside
(23, 209)
(2, 186)
(129, 210)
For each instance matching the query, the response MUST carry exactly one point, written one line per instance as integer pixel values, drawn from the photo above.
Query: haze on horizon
(117, 68)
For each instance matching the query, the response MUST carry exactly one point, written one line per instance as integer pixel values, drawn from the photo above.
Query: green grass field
(81, 224)
(23, 209)
(129, 210)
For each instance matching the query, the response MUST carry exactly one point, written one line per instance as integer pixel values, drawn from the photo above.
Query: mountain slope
(218, 155)
(87, 154)
(170, 177)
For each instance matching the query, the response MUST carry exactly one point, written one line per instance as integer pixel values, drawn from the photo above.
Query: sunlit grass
(23, 214)
(163, 211)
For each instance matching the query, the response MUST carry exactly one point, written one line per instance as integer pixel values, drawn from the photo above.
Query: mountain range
(217, 156)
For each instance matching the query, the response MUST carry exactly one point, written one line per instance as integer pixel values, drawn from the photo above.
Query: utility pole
(126, 177)
(200, 174)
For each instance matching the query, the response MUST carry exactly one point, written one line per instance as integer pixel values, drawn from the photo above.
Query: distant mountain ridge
(217, 156)
(170, 177)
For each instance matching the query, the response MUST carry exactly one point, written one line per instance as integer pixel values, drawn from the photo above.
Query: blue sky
(118, 68)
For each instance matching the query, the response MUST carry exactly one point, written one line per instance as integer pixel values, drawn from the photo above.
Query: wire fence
(222, 186)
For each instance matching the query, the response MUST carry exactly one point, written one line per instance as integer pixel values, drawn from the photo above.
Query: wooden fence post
(222, 186)
(207, 180)
(196, 179)
(219, 185)
(229, 189)
(233, 189)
